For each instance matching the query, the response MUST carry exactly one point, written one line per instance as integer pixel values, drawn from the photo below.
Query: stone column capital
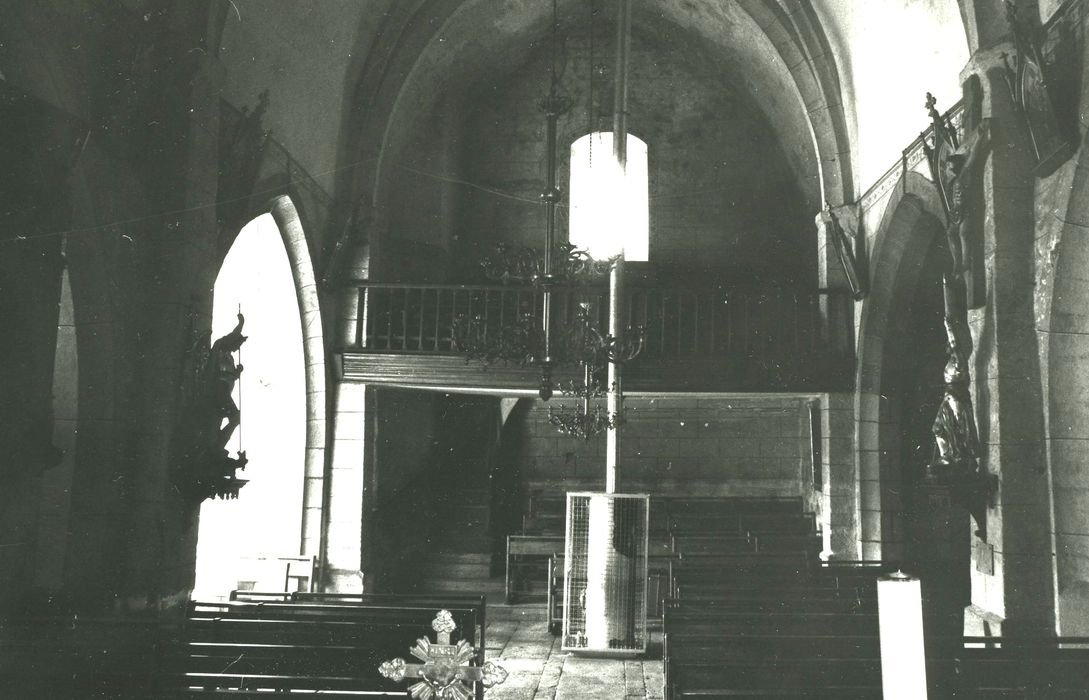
(993, 68)
(985, 60)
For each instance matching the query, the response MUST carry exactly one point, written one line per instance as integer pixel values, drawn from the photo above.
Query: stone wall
(722, 194)
(683, 446)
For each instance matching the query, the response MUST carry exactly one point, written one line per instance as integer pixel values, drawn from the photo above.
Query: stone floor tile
(585, 678)
(501, 692)
(654, 680)
(634, 685)
(540, 670)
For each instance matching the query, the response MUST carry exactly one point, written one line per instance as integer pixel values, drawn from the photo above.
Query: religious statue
(962, 166)
(210, 417)
(955, 166)
(955, 425)
(956, 438)
(222, 373)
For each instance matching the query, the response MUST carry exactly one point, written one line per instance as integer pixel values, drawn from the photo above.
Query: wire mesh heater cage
(605, 573)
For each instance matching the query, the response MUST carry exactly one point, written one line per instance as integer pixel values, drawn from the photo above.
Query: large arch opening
(902, 352)
(249, 542)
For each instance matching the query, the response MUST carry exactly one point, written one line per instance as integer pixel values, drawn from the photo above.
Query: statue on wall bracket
(848, 259)
(955, 167)
(1033, 96)
(957, 464)
(209, 417)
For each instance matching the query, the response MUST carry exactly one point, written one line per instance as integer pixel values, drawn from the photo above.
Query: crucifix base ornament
(444, 673)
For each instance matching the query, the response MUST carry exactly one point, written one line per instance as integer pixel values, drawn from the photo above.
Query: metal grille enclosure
(605, 573)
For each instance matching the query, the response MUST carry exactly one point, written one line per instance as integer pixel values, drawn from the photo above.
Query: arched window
(240, 540)
(609, 204)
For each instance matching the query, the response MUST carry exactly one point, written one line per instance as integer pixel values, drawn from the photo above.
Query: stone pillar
(346, 491)
(842, 476)
(1012, 574)
(849, 527)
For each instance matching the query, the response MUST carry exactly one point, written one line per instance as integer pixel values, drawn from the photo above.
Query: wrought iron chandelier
(532, 339)
(594, 351)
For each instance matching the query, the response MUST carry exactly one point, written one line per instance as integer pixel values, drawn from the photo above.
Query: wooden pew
(749, 631)
(711, 544)
(528, 554)
(863, 676)
(995, 667)
(543, 524)
(825, 693)
(811, 543)
(742, 591)
(743, 523)
(709, 505)
(477, 603)
(701, 619)
(769, 568)
(722, 664)
(239, 649)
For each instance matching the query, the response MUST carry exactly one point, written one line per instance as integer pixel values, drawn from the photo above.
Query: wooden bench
(543, 524)
(734, 523)
(708, 505)
(771, 624)
(995, 667)
(863, 675)
(259, 647)
(527, 555)
(769, 568)
(811, 543)
(711, 544)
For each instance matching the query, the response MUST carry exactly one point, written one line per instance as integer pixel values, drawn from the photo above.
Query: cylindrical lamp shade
(903, 660)
(609, 211)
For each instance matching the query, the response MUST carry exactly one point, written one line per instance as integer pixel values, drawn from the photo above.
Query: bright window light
(267, 517)
(609, 211)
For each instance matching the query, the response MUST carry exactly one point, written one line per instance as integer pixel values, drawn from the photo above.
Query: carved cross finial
(444, 624)
(931, 103)
(444, 673)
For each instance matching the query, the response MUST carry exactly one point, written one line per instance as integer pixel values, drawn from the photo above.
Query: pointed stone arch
(911, 220)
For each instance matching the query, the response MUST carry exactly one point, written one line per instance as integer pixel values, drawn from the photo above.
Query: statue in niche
(957, 462)
(210, 417)
(222, 373)
(954, 167)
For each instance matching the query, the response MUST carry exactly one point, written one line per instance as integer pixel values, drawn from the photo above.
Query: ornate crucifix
(955, 167)
(445, 672)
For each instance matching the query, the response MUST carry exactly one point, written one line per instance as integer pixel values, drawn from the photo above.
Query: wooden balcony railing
(678, 323)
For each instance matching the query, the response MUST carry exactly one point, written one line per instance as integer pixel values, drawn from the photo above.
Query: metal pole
(551, 197)
(620, 96)
(615, 400)
(615, 397)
